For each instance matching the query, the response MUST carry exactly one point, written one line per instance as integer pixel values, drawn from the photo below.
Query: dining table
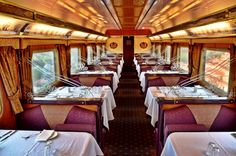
(115, 79)
(47, 143)
(65, 93)
(154, 94)
(199, 144)
(142, 77)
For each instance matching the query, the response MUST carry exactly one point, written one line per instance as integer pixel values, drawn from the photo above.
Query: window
(44, 69)
(167, 54)
(183, 57)
(75, 60)
(89, 55)
(158, 51)
(98, 51)
(216, 68)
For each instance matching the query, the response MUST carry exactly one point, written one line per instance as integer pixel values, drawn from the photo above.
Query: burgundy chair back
(225, 120)
(32, 119)
(102, 82)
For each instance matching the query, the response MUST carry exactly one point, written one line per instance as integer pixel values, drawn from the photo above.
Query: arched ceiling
(158, 16)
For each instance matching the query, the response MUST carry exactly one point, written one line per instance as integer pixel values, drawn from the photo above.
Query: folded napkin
(46, 135)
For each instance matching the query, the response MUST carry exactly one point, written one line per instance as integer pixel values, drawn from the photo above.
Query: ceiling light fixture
(66, 6)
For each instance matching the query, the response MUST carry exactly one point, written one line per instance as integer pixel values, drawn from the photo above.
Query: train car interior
(117, 78)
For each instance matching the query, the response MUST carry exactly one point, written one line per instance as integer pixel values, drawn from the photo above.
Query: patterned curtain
(196, 57)
(232, 79)
(26, 73)
(174, 51)
(94, 49)
(84, 53)
(63, 59)
(9, 74)
(163, 47)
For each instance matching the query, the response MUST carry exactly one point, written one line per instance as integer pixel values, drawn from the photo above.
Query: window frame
(202, 71)
(57, 68)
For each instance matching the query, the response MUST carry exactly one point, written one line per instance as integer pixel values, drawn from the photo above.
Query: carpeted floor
(131, 133)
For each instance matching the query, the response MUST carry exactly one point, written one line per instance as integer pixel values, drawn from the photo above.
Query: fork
(29, 136)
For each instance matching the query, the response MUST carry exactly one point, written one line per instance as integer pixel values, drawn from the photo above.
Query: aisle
(131, 132)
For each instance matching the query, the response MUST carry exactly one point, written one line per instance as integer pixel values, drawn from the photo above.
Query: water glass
(210, 147)
(215, 151)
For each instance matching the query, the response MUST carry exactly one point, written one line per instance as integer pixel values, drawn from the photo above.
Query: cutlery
(29, 136)
(31, 148)
(7, 136)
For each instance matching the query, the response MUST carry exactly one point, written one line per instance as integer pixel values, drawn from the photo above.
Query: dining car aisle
(131, 132)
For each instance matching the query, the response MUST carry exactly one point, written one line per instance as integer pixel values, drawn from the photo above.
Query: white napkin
(45, 135)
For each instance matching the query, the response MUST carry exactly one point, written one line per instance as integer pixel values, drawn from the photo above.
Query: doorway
(128, 50)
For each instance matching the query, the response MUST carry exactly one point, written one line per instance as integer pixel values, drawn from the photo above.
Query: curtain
(232, 78)
(174, 51)
(163, 47)
(84, 53)
(94, 49)
(9, 74)
(196, 57)
(63, 59)
(26, 73)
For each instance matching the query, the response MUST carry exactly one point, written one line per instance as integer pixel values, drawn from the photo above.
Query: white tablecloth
(65, 144)
(195, 143)
(86, 92)
(142, 76)
(152, 94)
(152, 105)
(115, 77)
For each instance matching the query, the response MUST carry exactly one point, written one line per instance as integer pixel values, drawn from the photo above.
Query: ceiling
(128, 11)
(155, 15)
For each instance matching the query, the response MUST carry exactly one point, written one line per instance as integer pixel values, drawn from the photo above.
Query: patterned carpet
(131, 133)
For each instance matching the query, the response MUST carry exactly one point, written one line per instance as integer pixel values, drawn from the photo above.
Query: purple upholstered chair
(80, 119)
(102, 82)
(225, 120)
(180, 119)
(32, 119)
(156, 82)
(143, 69)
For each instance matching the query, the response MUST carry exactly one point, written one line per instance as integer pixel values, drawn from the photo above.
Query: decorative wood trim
(13, 42)
(27, 42)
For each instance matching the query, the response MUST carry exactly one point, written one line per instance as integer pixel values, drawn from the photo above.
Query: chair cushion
(225, 120)
(183, 128)
(156, 82)
(90, 128)
(32, 119)
(78, 115)
(102, 82)
(180, 115)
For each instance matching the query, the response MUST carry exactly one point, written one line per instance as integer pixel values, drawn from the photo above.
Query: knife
(7, 136)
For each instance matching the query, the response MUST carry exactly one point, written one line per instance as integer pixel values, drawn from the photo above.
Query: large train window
(158, 51)
(89, 55)
(216, 68)
(75, 60)
(167, 54)
(99, 49)
(183, 55)
(44, 69)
